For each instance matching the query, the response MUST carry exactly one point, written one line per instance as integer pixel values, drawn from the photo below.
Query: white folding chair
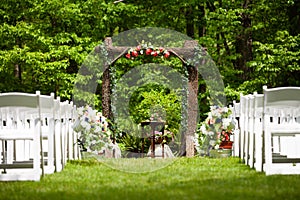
(47, 114)
(236, 135)
(258, 101)
(243, 127)
(250, 145)
(77, 152)
(57, 136)
(74, 152)
(16, 129)
(278, 100)
(64, 131)
(70, 133)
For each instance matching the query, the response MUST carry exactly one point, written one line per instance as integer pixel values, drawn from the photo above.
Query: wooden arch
(183, 53)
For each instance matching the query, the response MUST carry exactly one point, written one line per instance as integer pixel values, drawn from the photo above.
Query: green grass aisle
(186, 178)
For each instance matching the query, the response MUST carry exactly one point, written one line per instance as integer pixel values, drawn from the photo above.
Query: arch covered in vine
(184, 54)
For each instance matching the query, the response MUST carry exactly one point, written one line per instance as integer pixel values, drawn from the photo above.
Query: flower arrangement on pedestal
(93, 129)
(215, 131)
(163, 137)
(161, 134)
(148, 50)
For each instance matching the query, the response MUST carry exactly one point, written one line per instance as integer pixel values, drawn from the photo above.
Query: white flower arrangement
(217, 128)
(93, 130)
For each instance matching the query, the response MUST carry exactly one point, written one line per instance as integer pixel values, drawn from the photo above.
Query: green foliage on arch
(148, 93)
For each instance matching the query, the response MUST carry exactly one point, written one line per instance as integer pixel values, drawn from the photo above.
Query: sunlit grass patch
(183, 178)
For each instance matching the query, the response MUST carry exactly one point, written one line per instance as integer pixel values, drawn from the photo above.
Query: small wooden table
(153, 125)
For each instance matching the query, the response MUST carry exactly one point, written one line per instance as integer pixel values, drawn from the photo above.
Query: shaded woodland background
(44, 42)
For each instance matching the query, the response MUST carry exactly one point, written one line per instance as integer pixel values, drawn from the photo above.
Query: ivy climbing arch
(184, 54)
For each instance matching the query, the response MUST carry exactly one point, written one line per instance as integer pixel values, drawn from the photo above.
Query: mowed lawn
(184, 178)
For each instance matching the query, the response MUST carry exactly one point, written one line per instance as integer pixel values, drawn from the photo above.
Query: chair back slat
(21, 100)
(282, 97)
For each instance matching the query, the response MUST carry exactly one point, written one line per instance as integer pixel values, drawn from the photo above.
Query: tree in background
(43, 43)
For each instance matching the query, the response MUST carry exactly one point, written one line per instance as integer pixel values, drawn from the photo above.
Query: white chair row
(36, 137)
(270, 130)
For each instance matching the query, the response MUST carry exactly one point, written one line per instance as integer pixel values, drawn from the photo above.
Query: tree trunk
(189, 16)
(294, 18)
(201, 21)
(244, 44)
(17, 67)
(17, 72)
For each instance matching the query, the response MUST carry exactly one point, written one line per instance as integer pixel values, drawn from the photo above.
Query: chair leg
(3, 156)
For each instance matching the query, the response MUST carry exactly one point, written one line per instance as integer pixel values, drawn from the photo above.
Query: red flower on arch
(148, 50)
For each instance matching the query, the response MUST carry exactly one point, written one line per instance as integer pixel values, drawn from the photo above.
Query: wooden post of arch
(183, 53)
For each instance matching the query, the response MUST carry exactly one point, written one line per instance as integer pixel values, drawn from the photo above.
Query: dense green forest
(44, 42)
